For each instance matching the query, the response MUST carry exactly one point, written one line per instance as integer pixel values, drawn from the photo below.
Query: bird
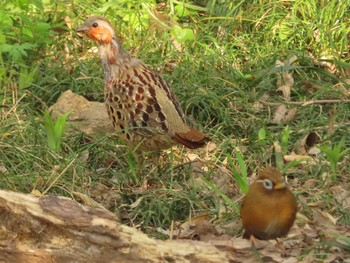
(268, 210)
(140, 103)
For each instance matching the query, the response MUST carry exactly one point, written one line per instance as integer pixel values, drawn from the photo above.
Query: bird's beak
(82, 29)
(280, 186)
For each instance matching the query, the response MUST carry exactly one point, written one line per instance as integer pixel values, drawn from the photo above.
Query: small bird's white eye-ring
(268, 184)
(95, 25)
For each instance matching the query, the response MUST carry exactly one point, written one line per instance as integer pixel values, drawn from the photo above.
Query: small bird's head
(98, 29)
(271, 180)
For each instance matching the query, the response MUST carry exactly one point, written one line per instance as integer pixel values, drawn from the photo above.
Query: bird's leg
(154, 159)
(253, 240)
(256, 243)
(140, 162)
(281, 246)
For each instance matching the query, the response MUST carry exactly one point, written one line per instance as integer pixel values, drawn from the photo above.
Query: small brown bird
(269, 209)
(141, 105)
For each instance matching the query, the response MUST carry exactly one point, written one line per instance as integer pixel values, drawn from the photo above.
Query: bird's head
(271, 180)
(98, 29)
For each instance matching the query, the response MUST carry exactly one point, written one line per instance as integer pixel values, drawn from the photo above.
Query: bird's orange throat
(100, 34)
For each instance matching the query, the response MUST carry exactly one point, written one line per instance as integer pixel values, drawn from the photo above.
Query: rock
(88, 116)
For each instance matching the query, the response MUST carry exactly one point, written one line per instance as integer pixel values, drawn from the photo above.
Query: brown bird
(269, 209)
(140, 104)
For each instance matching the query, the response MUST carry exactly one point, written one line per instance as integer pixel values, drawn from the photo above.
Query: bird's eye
(95, 25)
(268, 184)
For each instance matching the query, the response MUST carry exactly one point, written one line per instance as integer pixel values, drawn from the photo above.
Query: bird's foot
(281, 246)
(256, 243)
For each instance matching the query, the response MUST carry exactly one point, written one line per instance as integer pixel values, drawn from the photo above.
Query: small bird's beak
(82, 29)
(280, 186)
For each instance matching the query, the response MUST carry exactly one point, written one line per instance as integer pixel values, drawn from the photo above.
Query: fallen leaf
(308, 142)
(283, 115)
(326, 62)
(323, 218)
(196, 226)
(36, 193)
(302, 158)
(3, 169)
(314, 151)
(84, 156)
(211, 146)
(257, 106)
(285, 80)
(341, 87)
(192, 157)
(136, 203)
(224, 181)
(341, 195)
(310, 184)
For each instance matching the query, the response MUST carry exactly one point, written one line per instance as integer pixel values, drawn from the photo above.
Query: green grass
(219, 78)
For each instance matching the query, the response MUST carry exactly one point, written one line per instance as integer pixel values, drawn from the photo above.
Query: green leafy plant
(219, 192)
(334, 154)
(285, 139)
(182, 34)
(135, 14)
(281, 147)
(262, 134)
(55, 129)
(240, 176)
(24, 36)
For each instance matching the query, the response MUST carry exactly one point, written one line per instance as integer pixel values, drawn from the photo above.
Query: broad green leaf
(2, 38)
(181, 11)
(26, 76)
(182, 34)
(262, 134)
(5, 22)
(27, 32)
(55, 130)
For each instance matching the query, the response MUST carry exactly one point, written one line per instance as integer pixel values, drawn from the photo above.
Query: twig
(304, 103)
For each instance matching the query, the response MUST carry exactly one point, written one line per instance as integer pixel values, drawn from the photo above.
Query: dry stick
(304, 103)
(55, 180)
(331, 123)
(336, 126)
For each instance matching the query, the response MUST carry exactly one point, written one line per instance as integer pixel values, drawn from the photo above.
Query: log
(57, 229)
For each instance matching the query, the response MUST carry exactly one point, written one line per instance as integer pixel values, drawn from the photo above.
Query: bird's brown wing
(151, 106)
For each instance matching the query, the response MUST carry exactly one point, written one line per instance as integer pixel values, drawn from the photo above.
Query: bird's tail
(192, 139)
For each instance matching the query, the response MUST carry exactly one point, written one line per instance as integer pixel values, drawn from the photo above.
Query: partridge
(269, 209)
(141, 105)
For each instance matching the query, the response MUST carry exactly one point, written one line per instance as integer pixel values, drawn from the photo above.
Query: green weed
(240, 176)
(55, 129)
(334, 154)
